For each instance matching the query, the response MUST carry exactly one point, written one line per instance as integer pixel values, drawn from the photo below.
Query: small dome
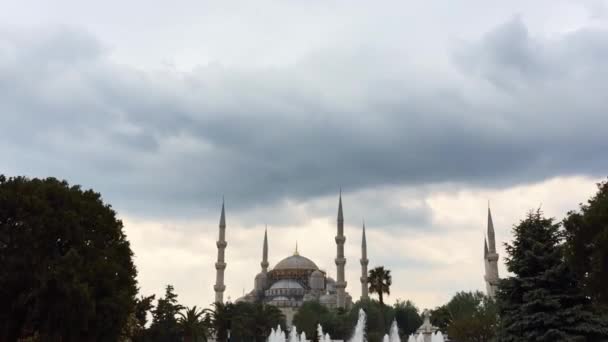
(286, 284)
(261, 275)
(317, 274)
(296, 262)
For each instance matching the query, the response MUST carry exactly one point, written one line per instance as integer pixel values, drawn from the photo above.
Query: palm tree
(379, 281)
(220, 319)
(192, 325)
(267, 317)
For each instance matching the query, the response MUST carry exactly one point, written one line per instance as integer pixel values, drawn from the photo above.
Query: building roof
(286, 284)
(296, 262)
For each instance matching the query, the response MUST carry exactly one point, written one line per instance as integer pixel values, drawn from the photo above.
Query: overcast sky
(421, 111)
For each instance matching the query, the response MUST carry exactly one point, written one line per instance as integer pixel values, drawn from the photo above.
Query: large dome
(296, 262)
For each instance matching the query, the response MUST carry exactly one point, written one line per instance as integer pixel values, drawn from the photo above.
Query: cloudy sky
(421, 111)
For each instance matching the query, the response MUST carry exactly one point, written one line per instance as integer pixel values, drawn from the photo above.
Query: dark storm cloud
(517, 108)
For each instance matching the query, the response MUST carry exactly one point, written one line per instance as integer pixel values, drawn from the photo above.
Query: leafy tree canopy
(587, 245)
(543, 300)
(380, 280)
(67, 271)
(408, 318)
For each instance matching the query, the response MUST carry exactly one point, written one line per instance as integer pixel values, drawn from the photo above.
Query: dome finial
(296, 251)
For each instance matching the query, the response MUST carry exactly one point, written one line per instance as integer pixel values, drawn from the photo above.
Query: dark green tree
(67, 272)
(465, 304)
(221, 317)
(308, 316)
(253, 321)
(335, 322)
(379, 318)
(587, 245)
(380, 281)
(441, 317)
(193, 325)
(143, 306)
(164, 327)
(473, 317)
(543, 300)
(408, 318)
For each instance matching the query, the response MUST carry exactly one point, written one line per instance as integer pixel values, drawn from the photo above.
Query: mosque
(297, 279)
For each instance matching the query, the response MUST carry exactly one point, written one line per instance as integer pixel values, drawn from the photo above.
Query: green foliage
(474, 317)
(468, 316)
(67, 272)
(543, 300)
(337, 323)
(441, 317)
(143, 306)
(380, 281)
(587, 245)
(221, 316)
(164, 327)
(309, 315)
(408, 318)
(465, 304)
(253, 321)
(379, 318)
(193, 325)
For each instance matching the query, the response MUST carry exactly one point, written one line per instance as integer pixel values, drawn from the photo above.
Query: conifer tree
(543, 301)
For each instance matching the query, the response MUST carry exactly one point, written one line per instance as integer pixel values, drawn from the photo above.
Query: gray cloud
(512, 108)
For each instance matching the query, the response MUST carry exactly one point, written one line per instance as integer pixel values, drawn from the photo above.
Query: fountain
(277, 335)
(359, 334)
(322, 337)
(293, 335)
(427, 332)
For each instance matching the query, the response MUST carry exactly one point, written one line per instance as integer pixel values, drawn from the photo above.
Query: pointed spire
(223, 215)
(264, 262)
(364, 263)
(296, 251)
(485, 247)
(220, 265)
(340, 215)
(364, 242)
(491, 236)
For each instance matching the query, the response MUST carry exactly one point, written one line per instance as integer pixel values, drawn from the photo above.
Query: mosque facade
(297, 279)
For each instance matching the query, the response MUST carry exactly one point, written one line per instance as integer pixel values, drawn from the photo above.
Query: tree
(408, 318)
(192, 325)
(164, 327)
(67, 271)
(465, 304)
(379, 318)
(441, 317)
(143, 306)
(543, 300)
(380, 282)
(473, 317)
(266, 317)
(253, 321)
(587, 245)
(221, 317)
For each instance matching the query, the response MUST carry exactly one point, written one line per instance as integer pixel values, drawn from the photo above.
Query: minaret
(340, 260)
(364, 262)
(491, 259)
(264, 262)
(220, 265)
